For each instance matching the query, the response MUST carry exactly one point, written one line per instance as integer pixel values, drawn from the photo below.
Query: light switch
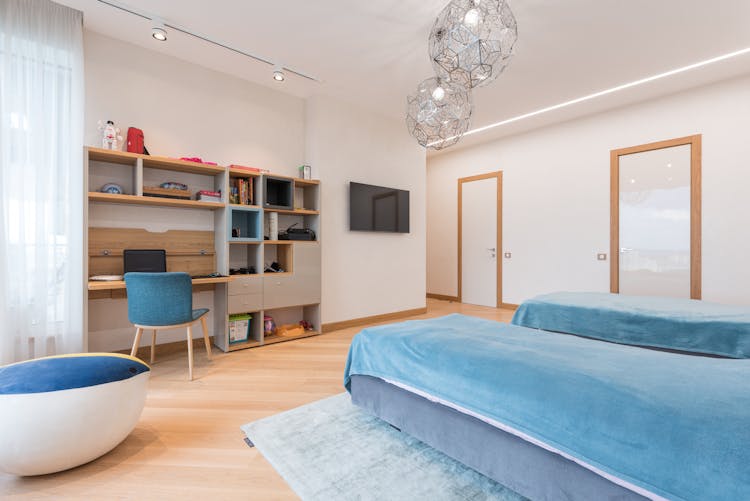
(602, 256)
(506, 255)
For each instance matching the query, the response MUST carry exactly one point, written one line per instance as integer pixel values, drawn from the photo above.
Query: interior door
(658, 221)
(479, 240)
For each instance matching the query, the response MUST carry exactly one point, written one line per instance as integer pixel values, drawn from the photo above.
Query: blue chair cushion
(199, 313)
(65, 372)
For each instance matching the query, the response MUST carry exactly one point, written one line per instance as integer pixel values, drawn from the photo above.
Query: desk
(116, 288)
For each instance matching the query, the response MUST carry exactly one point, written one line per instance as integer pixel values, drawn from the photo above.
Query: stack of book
(242, 191)
(208, 196)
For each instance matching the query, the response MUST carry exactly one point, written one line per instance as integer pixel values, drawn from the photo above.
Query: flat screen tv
(376, 208)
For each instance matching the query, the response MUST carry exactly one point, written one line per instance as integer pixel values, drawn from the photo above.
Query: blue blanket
(676, 425)
(660, 322)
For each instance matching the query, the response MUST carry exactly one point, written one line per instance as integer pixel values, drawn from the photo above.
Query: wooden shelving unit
(288, 296)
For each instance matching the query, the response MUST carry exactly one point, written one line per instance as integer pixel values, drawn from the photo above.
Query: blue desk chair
(163, 301)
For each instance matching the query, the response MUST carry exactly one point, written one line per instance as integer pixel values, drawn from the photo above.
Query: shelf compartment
(245, 255)
(245, 224)
(268, 340)
(278, 192)
(111, 198)
(280, 253)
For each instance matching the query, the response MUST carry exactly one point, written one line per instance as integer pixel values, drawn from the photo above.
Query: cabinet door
(302, 286)
(307, 272)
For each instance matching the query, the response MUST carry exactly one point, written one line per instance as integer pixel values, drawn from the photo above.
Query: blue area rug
(331, 450)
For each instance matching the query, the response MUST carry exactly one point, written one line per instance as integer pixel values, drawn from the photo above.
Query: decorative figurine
(110, 135)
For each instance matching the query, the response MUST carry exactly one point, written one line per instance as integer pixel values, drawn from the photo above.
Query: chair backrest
(159, 298)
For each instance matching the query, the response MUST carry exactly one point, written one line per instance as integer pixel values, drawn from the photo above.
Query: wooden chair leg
(204, 326)
(190, 352)
(136, 341)
(153, 346)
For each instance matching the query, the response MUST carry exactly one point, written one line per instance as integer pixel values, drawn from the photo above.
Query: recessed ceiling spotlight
(278, 73)
(158, 31)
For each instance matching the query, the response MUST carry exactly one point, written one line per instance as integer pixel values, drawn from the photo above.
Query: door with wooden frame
(480, 239)
(655, 227)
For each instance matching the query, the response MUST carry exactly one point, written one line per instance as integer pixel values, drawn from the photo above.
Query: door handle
(491, 249)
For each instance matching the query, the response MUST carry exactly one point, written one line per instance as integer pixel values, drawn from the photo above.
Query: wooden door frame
(695, 208)
(498, 244)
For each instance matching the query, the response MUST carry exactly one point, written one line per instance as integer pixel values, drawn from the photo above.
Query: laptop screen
(147, 260)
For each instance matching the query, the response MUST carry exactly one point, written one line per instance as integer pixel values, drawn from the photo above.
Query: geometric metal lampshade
(472, 41)
(438, 113)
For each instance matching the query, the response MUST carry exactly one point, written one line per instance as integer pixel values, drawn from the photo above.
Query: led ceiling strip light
(612, 90)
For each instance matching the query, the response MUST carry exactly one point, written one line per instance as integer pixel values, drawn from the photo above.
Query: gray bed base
(529, 470)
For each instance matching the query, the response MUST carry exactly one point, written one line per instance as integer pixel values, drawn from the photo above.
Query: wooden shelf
(250, 343)
(112, 198)
(243, 206)
(153, 162)
(243, 173)
(278, 242)
(96, 285)
(244, 241)
(280, 339)
(276, 274)
(297, 212)
(174, 164)
(112, 156)
(306, 182)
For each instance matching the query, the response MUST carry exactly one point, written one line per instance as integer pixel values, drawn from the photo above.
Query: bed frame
(527, 469)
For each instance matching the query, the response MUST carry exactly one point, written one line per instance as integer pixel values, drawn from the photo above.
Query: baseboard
(508, 306)
(442, 297)
(356, 322)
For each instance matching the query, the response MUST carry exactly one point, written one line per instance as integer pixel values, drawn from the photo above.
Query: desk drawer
(246, 285)
(245, 303)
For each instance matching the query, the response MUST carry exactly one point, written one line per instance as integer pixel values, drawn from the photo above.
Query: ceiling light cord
(186, 31)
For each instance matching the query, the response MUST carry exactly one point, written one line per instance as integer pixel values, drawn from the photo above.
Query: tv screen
(376, 208)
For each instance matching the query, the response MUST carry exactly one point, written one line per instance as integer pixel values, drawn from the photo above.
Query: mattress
(667, 425)
(530, 470)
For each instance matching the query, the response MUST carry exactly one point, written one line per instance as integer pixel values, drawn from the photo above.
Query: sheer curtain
(41, 179)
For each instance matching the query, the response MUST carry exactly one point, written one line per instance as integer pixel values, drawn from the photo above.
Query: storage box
(239, 328)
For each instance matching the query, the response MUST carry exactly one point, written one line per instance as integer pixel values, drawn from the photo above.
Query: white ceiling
(375, 52)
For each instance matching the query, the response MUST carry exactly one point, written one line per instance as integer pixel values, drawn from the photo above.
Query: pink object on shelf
(198, 160)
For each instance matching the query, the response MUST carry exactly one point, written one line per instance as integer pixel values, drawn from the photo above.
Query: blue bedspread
(676, 425)
(661, 322)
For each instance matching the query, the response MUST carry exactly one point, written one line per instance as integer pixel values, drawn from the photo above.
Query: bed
(659, 322)
(555, 416)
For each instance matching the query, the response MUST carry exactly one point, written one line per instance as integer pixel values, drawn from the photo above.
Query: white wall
(366, 273)
(556, 194)
(187, 110)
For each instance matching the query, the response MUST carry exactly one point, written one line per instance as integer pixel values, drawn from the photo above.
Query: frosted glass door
(655, 222)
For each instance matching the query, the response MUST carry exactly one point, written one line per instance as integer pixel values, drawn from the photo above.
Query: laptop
(144, 260)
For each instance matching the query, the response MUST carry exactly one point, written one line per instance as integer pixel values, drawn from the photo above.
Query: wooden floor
(188, 444)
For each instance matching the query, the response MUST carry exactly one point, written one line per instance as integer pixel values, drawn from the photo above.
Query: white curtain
(41, 179)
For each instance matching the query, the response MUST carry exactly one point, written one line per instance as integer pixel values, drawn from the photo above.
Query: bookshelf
(288, 296)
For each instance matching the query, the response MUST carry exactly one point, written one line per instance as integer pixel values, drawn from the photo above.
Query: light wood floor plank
(188, 444)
